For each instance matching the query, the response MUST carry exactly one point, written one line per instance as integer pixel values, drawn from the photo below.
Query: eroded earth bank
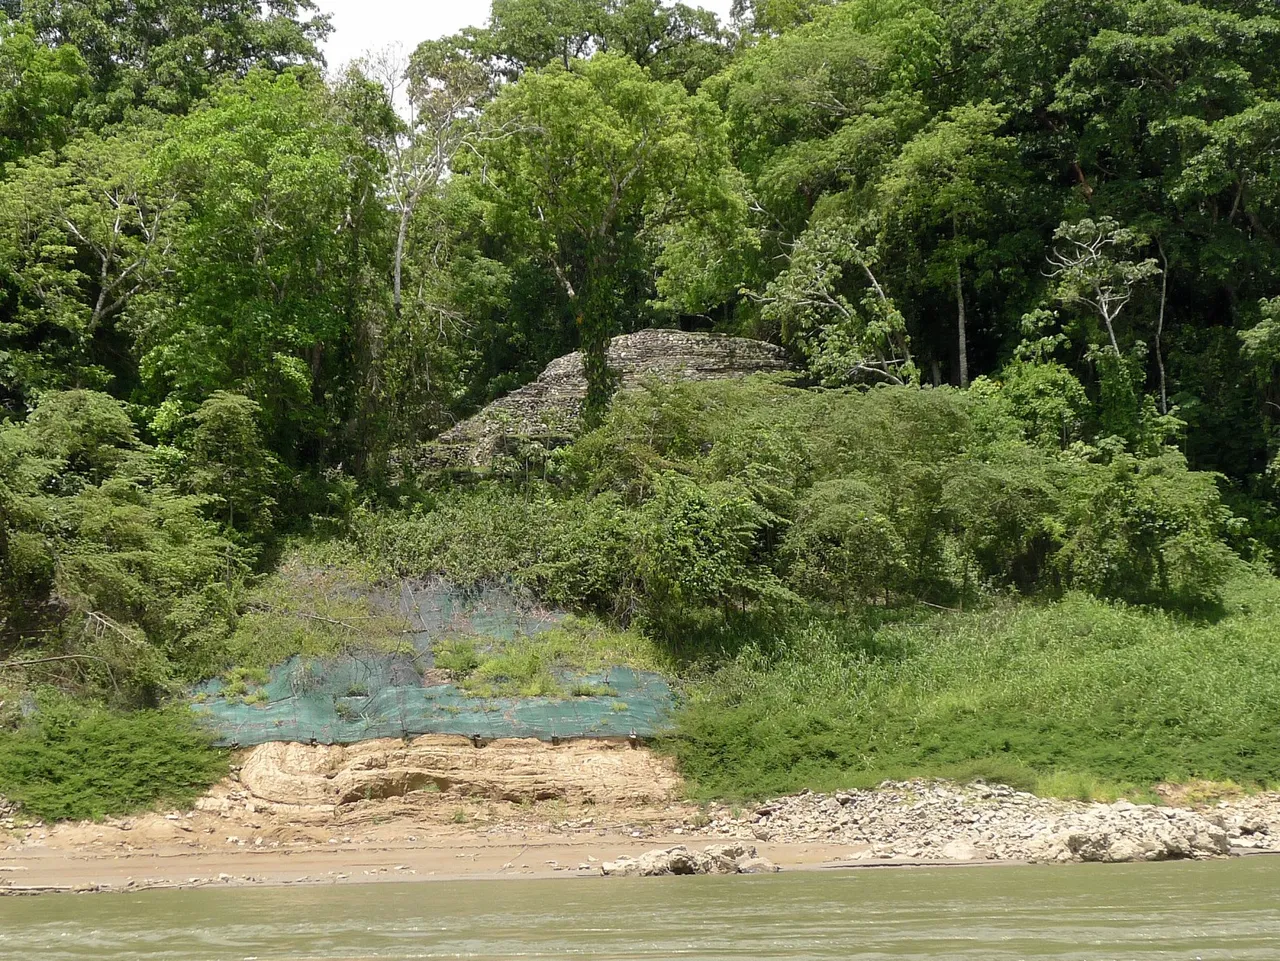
(447, 807)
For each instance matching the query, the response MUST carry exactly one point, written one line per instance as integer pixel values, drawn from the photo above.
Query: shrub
(843, 547)
(73, 762)
(695, 505)
(1145, 530)
(459, 656)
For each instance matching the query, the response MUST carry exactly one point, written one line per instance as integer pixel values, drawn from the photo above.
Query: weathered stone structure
(548, 411)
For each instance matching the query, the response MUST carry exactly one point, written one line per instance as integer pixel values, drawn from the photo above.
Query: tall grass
(1077, 697)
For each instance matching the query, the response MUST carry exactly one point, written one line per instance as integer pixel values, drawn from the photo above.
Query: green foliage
(701, 504)
(523, 670)
(110, 556)
(845, 341)
(227, 460)
(72, 762)
(646, 154)
(275, 187)
(231, 289)
(695, 547)
(39, 89)
(310, 609)
(1147, 531)
(537, 666)
(1063, 698)
(169, 58)
(843, 547)
(459, 656)
(84, 236)
(673, 42)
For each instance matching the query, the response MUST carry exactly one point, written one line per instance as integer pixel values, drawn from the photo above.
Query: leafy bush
(108, 555)
(72, 762)
(1146, 530)
(843, 547)
(311, 605)
(459, 656)
(695, 504)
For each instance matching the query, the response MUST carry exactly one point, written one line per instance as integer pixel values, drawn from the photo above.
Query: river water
(1182, 911)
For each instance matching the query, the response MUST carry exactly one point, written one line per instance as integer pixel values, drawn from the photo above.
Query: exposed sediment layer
(320, 778)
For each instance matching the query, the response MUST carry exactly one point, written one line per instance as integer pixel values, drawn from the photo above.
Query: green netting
(364, 695)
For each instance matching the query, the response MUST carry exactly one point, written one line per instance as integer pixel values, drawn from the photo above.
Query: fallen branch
(5, 665)
(311, 617)
(35, 661)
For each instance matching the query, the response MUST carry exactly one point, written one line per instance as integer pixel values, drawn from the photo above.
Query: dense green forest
(1026, 255)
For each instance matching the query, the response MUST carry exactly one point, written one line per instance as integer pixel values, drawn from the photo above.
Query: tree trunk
(964, 347)
(593, 329)
(401, 237)
(595, 311)
(1164, 297)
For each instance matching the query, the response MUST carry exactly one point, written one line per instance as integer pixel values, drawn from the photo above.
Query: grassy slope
(1077, 697)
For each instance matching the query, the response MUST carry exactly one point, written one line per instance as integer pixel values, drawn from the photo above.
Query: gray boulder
(715, 859)
(547, 412)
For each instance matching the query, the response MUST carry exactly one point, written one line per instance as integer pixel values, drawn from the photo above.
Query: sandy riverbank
(439, 808)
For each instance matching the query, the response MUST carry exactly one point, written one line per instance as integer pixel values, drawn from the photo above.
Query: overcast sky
(362, 25)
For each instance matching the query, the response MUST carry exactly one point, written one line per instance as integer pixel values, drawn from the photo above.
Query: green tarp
(362, 695)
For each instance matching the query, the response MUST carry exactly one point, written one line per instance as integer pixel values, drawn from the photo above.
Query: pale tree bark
(960, 325)
(1164, 298)
(419, 156)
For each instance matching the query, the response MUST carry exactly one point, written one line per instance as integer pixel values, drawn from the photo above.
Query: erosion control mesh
(357, 696)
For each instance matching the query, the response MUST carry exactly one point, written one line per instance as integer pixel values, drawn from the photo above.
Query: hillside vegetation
(1016, 512)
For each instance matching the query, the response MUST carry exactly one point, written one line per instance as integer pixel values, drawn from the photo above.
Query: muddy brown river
(1177, 911)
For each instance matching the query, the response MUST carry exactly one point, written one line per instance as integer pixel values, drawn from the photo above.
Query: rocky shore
(941, 821)
(440, 808)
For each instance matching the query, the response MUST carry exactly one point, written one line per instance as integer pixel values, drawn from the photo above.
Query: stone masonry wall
(549, 409)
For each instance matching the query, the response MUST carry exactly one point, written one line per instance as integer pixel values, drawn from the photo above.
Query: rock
(678, 860)
(281, 777)
(725, 858)
(665, 861)
(730, 852)
(963, 851)
(757, 866)
(1124, 849)
(937, 820)
(547, 411)
(621, 868)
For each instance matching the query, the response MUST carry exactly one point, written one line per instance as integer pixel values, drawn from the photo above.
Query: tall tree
(674, 41)
(940, 196)
(439, 90)
(168, 54)
(39, 89)
(278, 186)
(595, 161)
(83, 235)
